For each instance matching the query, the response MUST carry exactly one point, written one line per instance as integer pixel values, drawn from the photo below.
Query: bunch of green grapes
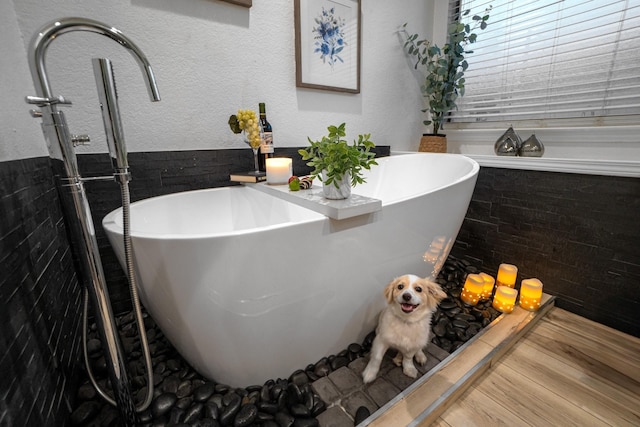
(248, 122)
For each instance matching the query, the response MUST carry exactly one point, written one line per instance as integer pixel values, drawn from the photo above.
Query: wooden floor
(565, 371)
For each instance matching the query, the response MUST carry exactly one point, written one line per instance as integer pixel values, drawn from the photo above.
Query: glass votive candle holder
(530, 294)
(507, 275)
(472, 289)
(487, 288)
(505, 299)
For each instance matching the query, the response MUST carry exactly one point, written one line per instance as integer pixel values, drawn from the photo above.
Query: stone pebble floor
(327, 393)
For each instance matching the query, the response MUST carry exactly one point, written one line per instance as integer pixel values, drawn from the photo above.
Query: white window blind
(552, 59)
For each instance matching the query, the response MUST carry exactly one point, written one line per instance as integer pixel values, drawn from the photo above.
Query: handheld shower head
(108, 97)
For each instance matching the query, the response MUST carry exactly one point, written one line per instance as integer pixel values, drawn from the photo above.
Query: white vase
(343, 189)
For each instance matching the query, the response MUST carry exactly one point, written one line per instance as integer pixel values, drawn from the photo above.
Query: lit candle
(505, 299)
(472, 289)
(487, 289)
(507, 274)
(530, 294)
(279, 170)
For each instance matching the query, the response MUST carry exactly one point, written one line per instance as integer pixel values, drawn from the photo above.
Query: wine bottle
(266, 134)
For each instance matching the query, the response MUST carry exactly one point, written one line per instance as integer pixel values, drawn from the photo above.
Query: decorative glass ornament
(508, 144)
(532, 147)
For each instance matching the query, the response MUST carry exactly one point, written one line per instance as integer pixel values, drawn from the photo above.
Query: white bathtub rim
(475, 169)
(109, 221)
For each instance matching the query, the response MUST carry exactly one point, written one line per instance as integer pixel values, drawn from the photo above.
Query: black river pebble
(85, 412)
(247, 415)
(362, 413)
(204, 392)
(163, 404)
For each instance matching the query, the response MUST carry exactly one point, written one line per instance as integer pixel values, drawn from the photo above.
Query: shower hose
(124, 189)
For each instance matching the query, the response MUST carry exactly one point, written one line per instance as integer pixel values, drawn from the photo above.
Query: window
(552, 59)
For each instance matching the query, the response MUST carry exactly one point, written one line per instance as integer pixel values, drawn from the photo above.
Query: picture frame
(245, 3)
(328, 44)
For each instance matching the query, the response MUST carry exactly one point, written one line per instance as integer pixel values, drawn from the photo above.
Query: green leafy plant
(334, 155)
(444, 67)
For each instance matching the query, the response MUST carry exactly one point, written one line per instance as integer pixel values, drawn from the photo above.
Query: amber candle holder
(507, 275)
(472, 289)
(530, 294)
(505, 299)
(487, 288)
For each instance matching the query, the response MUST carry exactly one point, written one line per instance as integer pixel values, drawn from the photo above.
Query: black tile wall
(39, 300)
(578, 234)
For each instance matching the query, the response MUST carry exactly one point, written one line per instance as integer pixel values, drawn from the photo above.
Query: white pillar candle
(530, 294)
(279, 170)
(507, 274)
(505, 299)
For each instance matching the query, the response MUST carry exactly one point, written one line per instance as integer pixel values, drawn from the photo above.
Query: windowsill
(600, 150)
(582, 166)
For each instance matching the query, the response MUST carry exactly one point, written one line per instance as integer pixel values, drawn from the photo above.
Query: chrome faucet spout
(41, 40)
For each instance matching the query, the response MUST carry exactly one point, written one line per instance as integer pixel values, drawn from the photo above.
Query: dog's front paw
(369, 374)
(410, 371)
(421, 358)
(398, 359)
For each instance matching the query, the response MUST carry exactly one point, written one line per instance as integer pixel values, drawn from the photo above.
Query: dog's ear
(434, 291)
(388, 291)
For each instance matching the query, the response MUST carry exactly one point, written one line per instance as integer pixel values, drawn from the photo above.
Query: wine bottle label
(266, 147)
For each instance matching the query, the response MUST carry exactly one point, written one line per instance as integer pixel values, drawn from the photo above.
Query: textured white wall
(210, 58)
(20, 135)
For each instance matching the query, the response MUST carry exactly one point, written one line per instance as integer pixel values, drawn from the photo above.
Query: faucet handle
(42, 101)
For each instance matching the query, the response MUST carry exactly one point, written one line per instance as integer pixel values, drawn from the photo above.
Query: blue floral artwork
(329, 37)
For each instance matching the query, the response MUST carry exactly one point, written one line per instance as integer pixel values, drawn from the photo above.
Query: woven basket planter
(433, 143)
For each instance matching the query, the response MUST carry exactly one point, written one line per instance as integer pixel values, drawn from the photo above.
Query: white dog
(404, 324)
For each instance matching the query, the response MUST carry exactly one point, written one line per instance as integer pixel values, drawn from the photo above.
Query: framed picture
(245, 3)
(328, 44)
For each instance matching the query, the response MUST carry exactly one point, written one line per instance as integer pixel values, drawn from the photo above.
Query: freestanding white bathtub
(249, 287)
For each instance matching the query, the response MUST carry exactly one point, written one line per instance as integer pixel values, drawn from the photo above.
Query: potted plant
(444, 73)
(338, 164)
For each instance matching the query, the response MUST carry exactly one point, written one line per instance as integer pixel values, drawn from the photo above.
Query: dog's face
(410, 296)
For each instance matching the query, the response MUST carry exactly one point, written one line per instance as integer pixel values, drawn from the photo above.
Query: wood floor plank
(580, 324)
(440, 423)
(536, 403)
(565, 371)
(570, 385)
(591, 356)
(478, 409)
(614, 348)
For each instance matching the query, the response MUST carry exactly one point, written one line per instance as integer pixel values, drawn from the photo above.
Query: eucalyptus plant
(444, 67)
(335, 156)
